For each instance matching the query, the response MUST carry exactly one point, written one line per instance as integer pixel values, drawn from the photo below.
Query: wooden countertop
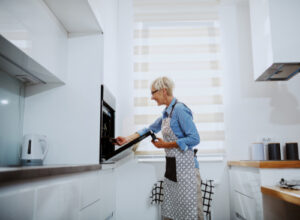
(266, 164)
(288, 195)
(28, 172)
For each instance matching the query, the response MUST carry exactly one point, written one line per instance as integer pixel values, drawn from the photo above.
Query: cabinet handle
(239, 216)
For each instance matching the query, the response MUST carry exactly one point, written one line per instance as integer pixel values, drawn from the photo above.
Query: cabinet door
(245, 181)
(243, 207)
(92, 212)
(90, 189)
(107, 193)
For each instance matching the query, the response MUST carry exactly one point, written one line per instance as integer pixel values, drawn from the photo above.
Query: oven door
(125, 149)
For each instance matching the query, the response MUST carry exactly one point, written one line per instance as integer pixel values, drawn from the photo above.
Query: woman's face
(157, 95)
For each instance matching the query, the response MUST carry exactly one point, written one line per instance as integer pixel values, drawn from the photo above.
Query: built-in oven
(107, 124)
(109, 152)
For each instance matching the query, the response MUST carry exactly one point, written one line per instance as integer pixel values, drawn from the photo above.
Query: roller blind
(180, 39)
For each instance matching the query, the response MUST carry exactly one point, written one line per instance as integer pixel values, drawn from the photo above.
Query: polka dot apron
(180, 187)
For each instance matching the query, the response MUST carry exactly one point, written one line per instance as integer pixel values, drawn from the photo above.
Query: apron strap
(172, 109)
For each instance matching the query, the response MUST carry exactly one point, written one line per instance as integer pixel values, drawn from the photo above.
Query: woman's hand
(124, 140)
(121, 140)
(159, 143)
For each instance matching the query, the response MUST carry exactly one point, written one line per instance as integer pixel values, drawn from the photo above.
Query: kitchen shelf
(77, 16)
(21, 173)
(266, 164)
(288, 195)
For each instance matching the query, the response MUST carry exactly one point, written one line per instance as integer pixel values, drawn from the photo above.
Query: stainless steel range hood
(280, 72)
(18, 64)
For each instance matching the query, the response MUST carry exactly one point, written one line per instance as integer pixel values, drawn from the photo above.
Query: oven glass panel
(108, 132)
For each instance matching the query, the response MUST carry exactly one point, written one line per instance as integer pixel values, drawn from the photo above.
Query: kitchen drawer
(108, 193)
(90, 189)
(245, 181)
(92, 212)
(17, 205)
(244, 207)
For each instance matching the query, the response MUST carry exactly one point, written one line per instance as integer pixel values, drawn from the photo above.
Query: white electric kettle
(34, 149)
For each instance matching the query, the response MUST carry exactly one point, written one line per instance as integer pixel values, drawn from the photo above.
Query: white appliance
(257, 151)
(34, 150)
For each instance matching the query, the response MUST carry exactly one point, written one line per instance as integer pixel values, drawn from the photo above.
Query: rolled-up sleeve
(191, 136)
(155, 127)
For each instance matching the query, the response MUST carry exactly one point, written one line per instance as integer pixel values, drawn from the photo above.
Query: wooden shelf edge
(244, 163)
(283, 194)
(266, 164)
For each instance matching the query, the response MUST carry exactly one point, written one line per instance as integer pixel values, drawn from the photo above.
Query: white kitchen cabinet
(244, 207)
(17, 205)
(274, 33)
(92, 212)
(245, 195)
(31, 26)
(90, 190)
(57, 201)
(108, 193)
(82, 16)
(246, 179)
(84, 196)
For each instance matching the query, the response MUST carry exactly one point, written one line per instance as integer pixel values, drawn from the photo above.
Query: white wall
(253, 110)
(109, 12)
(109, 16)
(70, 115)
(125, 64)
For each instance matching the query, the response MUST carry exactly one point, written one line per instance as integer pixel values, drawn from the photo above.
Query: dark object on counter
(289, 184)
(291, 151)
(274, 151)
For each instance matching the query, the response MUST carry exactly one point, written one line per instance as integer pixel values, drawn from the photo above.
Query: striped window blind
(180, 39)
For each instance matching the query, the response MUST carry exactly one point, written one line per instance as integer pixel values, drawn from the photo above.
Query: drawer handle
(239, 216)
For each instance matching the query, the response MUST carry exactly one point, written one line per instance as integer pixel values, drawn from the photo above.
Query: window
(180, 39)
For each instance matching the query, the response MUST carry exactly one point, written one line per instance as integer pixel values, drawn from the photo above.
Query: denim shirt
(196, 162)
(181, 124)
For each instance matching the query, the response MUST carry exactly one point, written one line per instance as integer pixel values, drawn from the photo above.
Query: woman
(180, 135)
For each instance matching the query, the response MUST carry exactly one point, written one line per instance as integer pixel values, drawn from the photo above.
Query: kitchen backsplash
(11, 119)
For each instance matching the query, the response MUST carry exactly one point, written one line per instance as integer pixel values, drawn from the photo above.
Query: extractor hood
(280, 72)
(275, 39)
(18, 64)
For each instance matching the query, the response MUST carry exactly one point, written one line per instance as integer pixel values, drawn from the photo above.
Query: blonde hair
(163, 83)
